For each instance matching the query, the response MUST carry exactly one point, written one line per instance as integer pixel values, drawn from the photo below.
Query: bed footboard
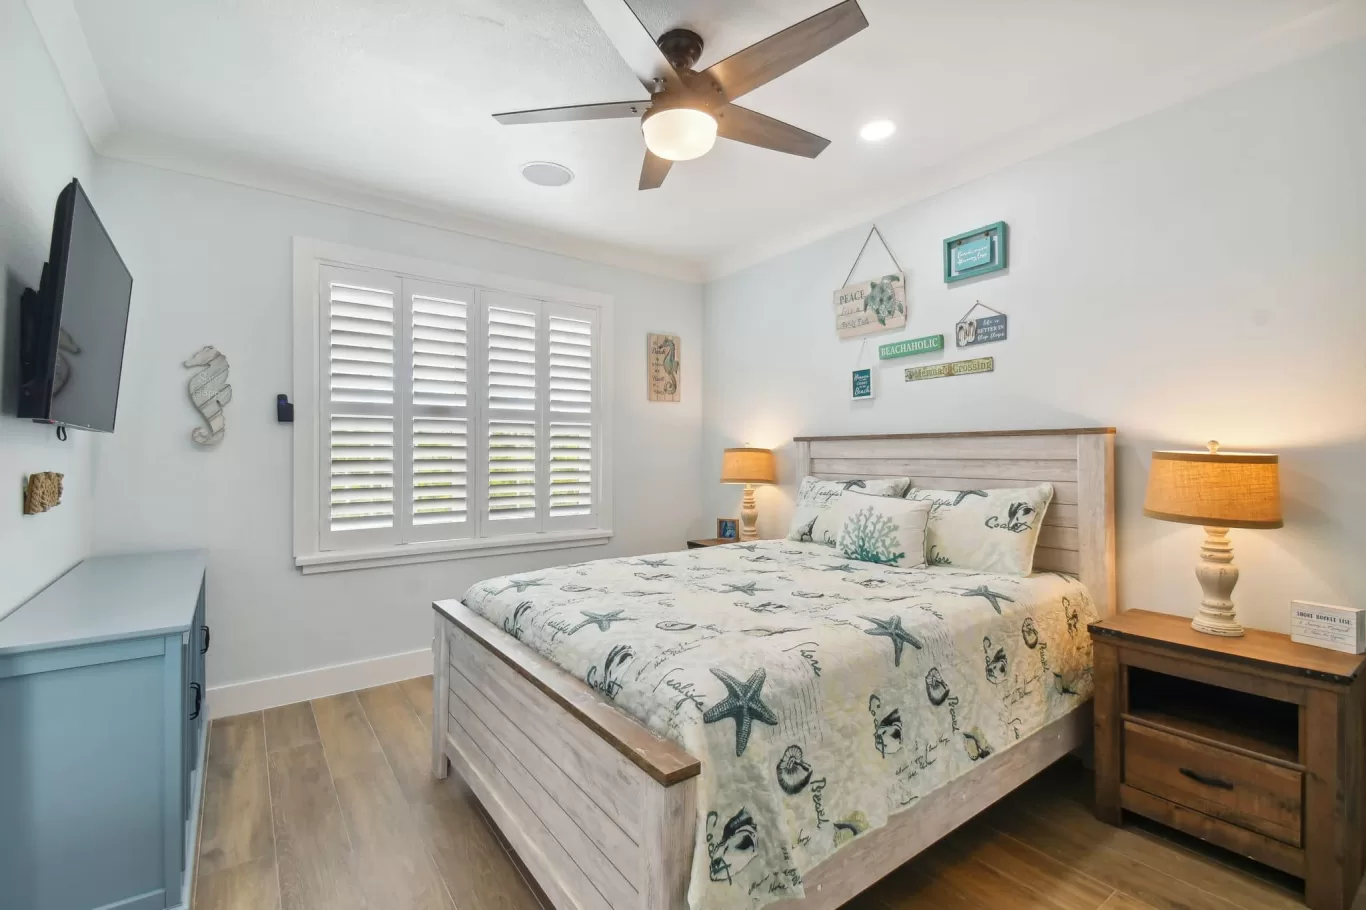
(599, 809)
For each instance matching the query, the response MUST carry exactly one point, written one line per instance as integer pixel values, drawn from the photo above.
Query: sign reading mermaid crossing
(871, 306)
(957, 368)
(925, 345)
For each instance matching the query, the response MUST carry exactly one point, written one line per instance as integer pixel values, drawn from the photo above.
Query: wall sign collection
(880, 305)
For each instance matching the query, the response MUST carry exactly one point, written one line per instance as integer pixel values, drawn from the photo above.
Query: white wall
(1199, 273)
(212, 263)
(42, 147)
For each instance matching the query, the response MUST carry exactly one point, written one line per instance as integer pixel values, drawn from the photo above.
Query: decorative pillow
(987, 530)
(880, 529)
(815, 498)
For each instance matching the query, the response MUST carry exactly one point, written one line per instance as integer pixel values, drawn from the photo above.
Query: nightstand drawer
(1239, 789)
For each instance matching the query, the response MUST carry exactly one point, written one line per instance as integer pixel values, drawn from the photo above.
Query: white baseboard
(259, 694)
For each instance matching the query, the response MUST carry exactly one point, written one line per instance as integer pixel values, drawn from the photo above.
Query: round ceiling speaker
(547, 173)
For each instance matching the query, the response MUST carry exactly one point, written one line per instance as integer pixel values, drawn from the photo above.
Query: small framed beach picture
(728, 528)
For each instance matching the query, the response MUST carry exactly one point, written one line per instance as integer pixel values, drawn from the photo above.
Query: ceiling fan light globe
(679, 133)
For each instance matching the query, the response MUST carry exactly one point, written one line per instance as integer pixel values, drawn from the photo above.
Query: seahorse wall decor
(209, 393)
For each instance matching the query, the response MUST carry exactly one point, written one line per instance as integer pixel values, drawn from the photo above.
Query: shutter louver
(440, 397)
(360, 407)
(512, 360)
(570, 392)
(512, 412)
(571, 469)
(512, 469)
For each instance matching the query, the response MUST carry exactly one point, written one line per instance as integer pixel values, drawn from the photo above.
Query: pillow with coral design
(890, 532)
(987, 530)
(816, 498)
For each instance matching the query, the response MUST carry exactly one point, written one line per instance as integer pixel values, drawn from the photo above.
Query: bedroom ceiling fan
(687, 110)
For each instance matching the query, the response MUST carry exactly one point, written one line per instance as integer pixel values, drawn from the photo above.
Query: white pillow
(987, 530)
(880, 529)
(816, 497)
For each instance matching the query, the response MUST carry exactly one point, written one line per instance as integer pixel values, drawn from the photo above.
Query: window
(443, 412)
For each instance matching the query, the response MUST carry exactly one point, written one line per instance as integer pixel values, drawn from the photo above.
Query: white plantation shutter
(450, 412)
(513, 412)
(572, 333)
(440, 412)
(360, 406)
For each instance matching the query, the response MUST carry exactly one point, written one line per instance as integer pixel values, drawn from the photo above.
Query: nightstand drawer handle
(1207, 781)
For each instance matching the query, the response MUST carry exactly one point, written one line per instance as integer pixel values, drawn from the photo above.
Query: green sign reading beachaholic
(926, 345)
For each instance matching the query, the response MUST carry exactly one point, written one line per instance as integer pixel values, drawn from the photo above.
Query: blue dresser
(102, 729)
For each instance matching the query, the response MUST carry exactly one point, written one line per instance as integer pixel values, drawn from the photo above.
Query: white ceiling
(393, 99)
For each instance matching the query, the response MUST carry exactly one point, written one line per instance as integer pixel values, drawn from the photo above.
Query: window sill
(435, 551)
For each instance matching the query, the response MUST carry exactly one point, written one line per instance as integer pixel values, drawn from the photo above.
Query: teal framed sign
(978, 252)
(926, 345)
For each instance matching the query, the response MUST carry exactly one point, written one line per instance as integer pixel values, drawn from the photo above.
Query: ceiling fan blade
(751, 127)
(746, 70)
(653, 171)
(576, 112)
(635, 43)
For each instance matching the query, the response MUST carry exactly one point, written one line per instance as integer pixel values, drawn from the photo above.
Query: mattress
(820, 694)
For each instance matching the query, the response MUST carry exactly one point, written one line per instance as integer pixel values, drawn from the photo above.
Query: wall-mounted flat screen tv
(72, 329)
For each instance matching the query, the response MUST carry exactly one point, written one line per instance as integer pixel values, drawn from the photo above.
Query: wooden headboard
(1078, 533)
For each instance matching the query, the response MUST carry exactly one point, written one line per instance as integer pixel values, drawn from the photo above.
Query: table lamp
(1220, 491)
(748, 466)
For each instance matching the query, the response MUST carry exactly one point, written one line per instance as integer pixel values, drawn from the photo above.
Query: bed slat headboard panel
(1078, 532)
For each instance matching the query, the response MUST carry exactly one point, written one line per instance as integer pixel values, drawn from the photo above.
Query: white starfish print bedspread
(821, 694)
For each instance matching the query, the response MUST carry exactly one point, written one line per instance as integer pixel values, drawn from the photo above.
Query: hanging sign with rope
(878, 305)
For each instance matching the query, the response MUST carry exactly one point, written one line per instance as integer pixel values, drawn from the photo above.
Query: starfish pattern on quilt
(993, 597)
(742, 704)
(891, 628)
(520, 585)
(602, 620)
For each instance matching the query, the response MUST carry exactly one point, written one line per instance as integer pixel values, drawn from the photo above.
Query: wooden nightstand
(710, 542)
(1255, 744)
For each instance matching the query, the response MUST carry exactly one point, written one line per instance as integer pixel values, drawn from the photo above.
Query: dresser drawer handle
(1207, 781)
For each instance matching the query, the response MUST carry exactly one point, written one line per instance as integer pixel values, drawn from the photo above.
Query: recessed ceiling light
(877, 130)
(547, 173)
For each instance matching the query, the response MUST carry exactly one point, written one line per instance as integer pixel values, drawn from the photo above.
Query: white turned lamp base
(749, 516)
(1217, 575)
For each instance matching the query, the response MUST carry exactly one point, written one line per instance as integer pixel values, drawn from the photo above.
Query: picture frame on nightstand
(728, 528)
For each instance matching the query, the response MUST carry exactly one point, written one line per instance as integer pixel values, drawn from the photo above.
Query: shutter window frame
(560, 399)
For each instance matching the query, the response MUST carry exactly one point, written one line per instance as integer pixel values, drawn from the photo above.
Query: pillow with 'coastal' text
(986, 530)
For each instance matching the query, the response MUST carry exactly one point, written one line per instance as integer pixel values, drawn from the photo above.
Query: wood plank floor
(330, 805)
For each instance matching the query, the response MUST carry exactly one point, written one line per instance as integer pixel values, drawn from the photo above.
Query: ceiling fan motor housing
(681, 47)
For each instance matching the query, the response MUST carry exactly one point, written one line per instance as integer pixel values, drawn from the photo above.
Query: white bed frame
(602, 812)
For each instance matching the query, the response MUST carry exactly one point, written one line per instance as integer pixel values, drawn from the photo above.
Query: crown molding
(174, 155)
(60, 27)
(1311, 34)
